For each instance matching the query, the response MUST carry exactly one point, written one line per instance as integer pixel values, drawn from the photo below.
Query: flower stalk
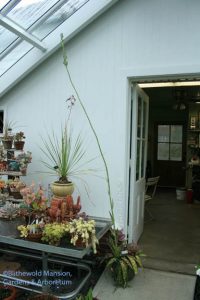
(65, 62)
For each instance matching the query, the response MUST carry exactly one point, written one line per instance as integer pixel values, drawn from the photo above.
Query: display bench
(64, 257)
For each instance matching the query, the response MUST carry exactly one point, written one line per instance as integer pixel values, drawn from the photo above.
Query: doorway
(169, 110)
(170, 124)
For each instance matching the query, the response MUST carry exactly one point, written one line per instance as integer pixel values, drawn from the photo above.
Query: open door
(138, 158)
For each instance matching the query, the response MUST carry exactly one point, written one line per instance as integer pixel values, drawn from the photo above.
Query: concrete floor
(172, 240)
(148, 285)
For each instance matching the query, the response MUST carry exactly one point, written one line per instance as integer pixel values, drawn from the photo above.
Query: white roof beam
(16, 29)
(35, 25)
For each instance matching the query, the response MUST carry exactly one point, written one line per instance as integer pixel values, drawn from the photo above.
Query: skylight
(30, 32)
(24, 24)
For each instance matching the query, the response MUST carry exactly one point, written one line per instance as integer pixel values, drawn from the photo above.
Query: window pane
(58, 18)
(139, 117)
(176, 152)
(163, 133)
(176, 134)
(144, 119)
(138, 161)
(143, 158)
(27, 13)
(3, 3)
(17, 53)
(6, 38)
(163, 151)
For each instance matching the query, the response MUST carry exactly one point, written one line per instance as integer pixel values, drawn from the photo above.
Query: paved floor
(172, 240)
(148, 285)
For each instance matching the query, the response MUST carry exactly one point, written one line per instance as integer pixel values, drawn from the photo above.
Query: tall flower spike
(65, 62)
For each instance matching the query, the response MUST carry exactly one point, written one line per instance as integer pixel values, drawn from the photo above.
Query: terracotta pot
(62, 189)
(7, 144)
(12, 289)
(19, 145)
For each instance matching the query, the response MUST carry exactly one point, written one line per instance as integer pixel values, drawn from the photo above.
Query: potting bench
(62, 256)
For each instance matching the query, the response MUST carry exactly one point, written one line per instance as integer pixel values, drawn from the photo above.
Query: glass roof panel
(58, 18)
(16, 54)
(3, 3)
(26, 13)
(6, 38)
(37, 17)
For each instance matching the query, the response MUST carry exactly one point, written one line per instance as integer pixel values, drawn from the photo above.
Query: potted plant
(33, 231)
(83, 233)
(34, 198)
(8, 136)
(19, 140)
(54, 232)
(9, 219)
(7, 292)
(63, 158)
(123, 261)
(14, 186)
(23, 159)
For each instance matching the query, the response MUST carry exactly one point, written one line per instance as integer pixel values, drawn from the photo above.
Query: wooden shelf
(12, 173)
(194, 130)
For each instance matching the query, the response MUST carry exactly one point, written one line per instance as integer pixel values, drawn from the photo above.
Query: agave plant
(63, 155)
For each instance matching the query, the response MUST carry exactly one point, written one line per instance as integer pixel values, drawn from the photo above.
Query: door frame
(137, 185)
(128, 76)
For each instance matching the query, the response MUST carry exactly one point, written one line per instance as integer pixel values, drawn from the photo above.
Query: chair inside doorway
(151, 186)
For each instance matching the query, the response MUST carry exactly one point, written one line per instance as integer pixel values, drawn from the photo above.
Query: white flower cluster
(85, 231)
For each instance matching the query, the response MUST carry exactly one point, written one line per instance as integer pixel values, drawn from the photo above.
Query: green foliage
(63, 155)
(54, 232)
(88, 296)
(123, 261)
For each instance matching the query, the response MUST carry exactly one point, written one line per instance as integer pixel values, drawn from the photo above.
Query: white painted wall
(133, 38)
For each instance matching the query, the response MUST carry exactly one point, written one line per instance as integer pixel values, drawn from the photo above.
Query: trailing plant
(83, 230)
